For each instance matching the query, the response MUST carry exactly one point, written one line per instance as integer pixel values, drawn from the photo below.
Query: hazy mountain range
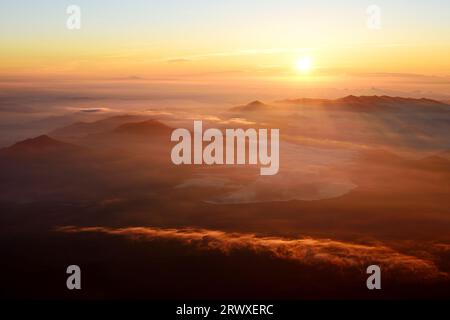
(362, 180)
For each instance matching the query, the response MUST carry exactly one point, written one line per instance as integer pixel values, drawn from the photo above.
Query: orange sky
(229, 42)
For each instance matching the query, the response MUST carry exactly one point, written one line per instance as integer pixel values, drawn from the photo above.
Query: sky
(226, 40)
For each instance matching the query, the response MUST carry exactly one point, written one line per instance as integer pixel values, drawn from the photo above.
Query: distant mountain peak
(350, 98)
(373, 104)
(143, 128)
(79, 129)
(256, 105)
(41, 144)
(386, 99)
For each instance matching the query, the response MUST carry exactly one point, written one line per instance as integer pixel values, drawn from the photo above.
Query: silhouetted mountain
(80, 129)
(41, 145)
(252, 107)
(45, 169)
(372, 104)
(304, 101)
(387, 100)
(149, 127)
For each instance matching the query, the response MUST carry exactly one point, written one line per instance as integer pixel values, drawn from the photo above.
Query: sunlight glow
(304, 64)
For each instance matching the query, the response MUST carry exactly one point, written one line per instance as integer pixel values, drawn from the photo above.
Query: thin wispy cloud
(237, 53)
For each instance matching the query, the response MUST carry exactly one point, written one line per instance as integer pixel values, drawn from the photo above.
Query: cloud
(306, 173)
(308, 251)
(178, 60)
(238, 53)
(241, 121)
(158, 112)
(410, 77)
(93, 110)
(203, 117)
(205, 182)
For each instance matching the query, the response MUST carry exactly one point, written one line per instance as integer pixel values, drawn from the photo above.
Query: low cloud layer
(308, 251)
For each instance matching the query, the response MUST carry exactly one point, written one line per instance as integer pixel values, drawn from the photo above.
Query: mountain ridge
(148, 127)
(42, 145)
(84, 128)
(367, 99)
(350, 103)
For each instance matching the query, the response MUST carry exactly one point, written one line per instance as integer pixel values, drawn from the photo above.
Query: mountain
(148, 128)
(253, 106)
(390, 101)
(42, 145)
(80, 129)
(45, 168)
(372, 104)
(304, 101)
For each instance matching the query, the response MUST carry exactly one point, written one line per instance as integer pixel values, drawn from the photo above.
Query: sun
(304, 64)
